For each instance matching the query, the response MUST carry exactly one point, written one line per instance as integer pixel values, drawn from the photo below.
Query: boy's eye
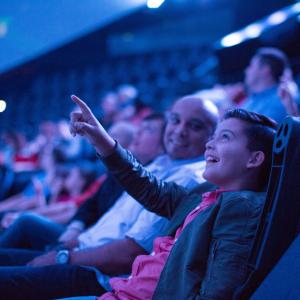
(225, 136)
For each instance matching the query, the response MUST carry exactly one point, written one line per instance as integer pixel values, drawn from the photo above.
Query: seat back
(280, 216)
(283, 281)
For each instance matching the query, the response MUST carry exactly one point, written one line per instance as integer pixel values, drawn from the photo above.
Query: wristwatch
(62, 257)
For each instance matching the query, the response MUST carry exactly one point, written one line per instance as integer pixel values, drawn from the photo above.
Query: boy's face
(227, 156)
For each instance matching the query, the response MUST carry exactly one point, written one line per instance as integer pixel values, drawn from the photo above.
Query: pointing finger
(83, 106)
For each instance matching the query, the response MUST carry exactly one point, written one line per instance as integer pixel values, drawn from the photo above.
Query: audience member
(268, 88)
(109, 108)
(132, 107)
(123, 132)
(67, 193)
(262, 79)
(30, 196)
(15, 153)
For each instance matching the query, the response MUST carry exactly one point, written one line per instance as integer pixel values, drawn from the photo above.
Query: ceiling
(29, 28)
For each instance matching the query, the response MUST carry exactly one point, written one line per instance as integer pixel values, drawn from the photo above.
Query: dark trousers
(31, 231)
(17, 257)
(50, 282)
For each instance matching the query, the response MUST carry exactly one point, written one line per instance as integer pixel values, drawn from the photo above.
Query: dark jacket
(209, 259)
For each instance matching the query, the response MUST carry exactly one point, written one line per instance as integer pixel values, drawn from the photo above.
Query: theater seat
(280, 218)
(283, 281)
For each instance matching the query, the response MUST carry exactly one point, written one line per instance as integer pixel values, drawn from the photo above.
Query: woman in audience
(67, 192)
(30, 197)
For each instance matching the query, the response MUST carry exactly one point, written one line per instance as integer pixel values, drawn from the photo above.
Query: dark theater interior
(150, 149)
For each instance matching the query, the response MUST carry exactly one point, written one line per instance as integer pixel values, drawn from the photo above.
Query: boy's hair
(260, 132)
(275, 59)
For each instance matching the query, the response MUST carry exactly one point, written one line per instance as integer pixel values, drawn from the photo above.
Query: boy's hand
(84, 123)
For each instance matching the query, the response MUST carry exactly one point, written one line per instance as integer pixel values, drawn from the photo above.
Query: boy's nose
(209, 144)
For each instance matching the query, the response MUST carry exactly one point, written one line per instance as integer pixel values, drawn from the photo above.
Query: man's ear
(256, 159)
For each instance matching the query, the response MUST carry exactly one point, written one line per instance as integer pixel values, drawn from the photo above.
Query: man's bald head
(190, 122)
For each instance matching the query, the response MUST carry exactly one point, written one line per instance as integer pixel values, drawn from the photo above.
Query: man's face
(147, 143)
(253, 72)
(227, 156)
(187, 131)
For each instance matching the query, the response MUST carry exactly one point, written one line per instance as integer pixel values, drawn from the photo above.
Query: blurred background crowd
(138, 62)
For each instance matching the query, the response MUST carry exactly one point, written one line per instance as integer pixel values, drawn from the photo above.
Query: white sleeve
(147, 227)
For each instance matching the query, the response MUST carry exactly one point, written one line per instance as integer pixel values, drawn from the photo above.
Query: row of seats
(157, 76)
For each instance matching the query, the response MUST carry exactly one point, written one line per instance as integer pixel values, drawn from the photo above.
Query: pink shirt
(146, 269)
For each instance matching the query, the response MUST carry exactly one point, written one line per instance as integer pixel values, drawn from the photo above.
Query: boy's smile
(227, 155)
(211, 158)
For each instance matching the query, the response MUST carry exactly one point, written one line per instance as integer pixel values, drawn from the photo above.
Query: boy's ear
(256, 159)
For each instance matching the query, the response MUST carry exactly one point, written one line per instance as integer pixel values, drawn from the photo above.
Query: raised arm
(155, 195)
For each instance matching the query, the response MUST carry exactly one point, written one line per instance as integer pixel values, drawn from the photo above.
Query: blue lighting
(296, 7)
(277, 18)
(2, 106)
(155, 3)
(232, 39)
(254, 30)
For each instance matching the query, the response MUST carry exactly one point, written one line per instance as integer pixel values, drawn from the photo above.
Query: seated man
(262, 80)
(128, 230)
(206, 256)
